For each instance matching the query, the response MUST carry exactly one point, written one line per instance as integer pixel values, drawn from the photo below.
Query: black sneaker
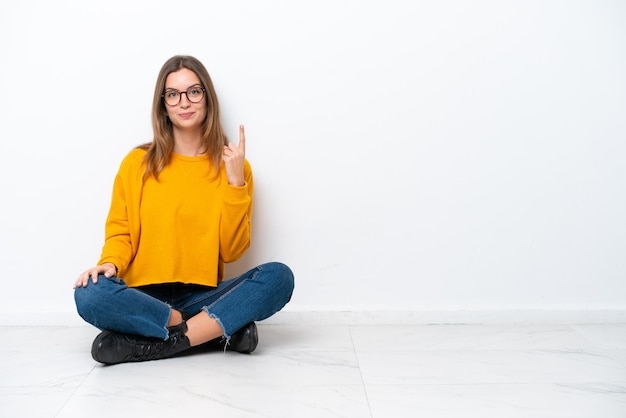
(245, 340)
(112, 347)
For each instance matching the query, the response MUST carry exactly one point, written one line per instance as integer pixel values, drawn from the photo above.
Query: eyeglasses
(194, 94)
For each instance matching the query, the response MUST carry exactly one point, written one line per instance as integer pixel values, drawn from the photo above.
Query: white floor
(329, 371)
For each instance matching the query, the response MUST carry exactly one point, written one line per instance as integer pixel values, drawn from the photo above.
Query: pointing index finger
(242, 138)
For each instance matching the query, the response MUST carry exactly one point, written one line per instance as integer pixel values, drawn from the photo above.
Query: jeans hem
(219, 322)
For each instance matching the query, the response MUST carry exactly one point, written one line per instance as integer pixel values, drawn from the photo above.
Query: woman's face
(185, 85)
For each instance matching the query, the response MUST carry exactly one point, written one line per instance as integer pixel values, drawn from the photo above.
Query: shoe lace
(153, 349)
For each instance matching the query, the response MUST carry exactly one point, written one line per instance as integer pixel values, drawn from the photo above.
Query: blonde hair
(159, 151)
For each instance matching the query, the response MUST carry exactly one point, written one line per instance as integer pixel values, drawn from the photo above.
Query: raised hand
(233, 158)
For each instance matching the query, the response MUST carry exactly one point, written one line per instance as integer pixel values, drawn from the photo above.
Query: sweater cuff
(237, 193)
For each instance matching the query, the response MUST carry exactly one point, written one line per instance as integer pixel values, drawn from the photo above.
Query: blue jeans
(256, 295)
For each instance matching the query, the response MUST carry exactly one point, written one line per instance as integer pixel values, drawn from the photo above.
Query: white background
(408, 155)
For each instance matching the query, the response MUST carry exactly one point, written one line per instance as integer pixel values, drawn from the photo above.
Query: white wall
(408, 155)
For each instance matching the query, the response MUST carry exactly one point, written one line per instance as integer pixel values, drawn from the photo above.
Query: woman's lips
(185, 115)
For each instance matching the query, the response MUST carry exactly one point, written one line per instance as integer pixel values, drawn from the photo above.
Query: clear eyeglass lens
(172, 97)
(195, 94)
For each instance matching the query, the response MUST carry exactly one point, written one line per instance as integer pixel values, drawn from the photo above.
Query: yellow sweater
(181, 228)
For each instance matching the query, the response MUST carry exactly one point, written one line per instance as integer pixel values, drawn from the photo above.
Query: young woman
(181, 208)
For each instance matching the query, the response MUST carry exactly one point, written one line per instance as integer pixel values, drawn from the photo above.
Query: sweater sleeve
(118, 248)
(235, 221)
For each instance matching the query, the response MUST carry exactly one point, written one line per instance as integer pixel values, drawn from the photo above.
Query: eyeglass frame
(180, 94)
